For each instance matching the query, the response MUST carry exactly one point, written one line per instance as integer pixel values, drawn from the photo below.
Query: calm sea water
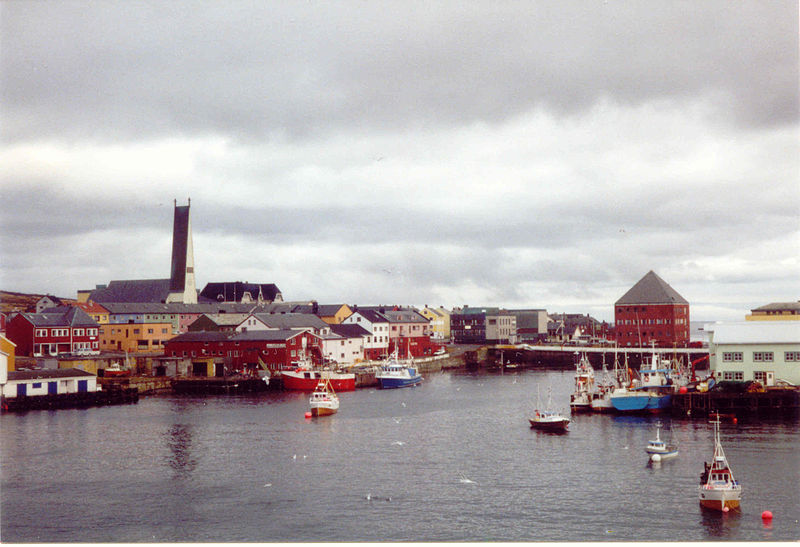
(451, 460)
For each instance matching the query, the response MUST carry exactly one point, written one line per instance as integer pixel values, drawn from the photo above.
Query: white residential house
(376, 345)
(765, 351)
(345, 344)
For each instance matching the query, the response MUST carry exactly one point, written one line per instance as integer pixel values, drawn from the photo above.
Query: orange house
(135, 337)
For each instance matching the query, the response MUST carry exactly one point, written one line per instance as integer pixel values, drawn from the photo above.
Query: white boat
(323, 400)
(581, 398)
(718, 489)
(659, 449)
(547, 419)
(600, 399)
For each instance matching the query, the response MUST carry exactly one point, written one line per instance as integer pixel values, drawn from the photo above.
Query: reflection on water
(179, 441)
(718, 524)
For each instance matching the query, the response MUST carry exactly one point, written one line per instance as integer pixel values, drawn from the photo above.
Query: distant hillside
(17, 301)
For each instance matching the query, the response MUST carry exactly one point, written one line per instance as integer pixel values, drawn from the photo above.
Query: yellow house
(777, 311)
(134, 337)
(95, 311)
(332, 314)
(439, 322)
(7, 353)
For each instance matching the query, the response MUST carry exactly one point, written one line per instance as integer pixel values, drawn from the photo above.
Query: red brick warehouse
(652, 311)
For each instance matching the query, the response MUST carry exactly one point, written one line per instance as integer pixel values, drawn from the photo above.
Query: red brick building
(651, 312)
(64, 329)
(245, 351)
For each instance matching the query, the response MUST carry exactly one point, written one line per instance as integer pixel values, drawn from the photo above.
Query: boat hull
(393, 383)
(646, 402)
(662, 455)
(558, 426)
(305, 380)
(317, 411)
(719, 500)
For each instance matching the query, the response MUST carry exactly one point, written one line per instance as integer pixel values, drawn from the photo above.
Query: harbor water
(453, 459)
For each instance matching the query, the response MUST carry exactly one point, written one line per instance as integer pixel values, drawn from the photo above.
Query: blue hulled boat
(393, 374)
(652, 392)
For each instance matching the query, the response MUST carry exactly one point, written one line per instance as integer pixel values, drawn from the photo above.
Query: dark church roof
(130, 290)
(651, 289)
(234, 290)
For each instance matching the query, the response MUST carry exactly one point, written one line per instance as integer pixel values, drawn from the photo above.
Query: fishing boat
(600, 398)
(547, 419)
(651, 392)
(581, 398)
(304, 377)
(324, 400)
(393, 374)
(719, 490)
(659, 449)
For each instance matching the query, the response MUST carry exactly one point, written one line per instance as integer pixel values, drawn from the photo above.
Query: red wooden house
(246, 351)
(65, 329)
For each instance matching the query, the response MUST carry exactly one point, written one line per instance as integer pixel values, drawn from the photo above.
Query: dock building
(652, 312)
(776, 311)
(767, 352)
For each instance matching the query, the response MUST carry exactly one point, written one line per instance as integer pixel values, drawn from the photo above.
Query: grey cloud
(124, 70)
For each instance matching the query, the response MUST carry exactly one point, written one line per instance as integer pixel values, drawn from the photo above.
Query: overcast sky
(514, 154)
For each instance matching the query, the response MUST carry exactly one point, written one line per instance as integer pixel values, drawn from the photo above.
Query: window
(77, 332)
(762, 356)
(149, 331)
(135, 331)
(760, 376)
(732, 356)
(36, 385)
(791, 356)
(735, 375)
(41, 332)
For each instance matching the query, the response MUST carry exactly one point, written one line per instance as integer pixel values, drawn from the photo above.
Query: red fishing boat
(306, 378)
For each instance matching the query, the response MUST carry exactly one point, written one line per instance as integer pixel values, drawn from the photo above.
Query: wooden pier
(771, 402)
(223, 386)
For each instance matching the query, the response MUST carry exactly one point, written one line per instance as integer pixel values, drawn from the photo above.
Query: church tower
(182, 286)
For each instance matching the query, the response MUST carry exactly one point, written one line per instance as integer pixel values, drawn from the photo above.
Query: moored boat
(393, 374)
(306, 378)
(659, 449)
(547, 419)
(718, 489)
(323, 400)
(581, 398)
(651, 392)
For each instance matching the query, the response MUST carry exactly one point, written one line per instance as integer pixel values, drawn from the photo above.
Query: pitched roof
(372, 316)
(60, 317)
(232, 291)
(779, 306)
(180, 308)
(350, 331)
(291, 320)
(90, 307)
(45, 374)
(132, 290)
(651, 289)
